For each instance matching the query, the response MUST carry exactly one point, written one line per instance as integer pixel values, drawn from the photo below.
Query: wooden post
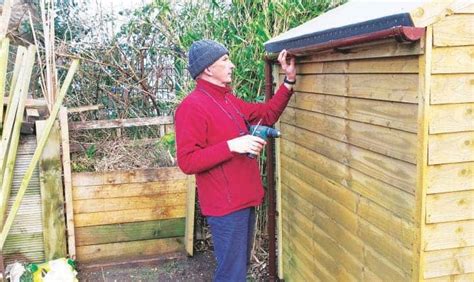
(37, 154)
(190, 206)
(52, 199)
(20, 54)
(71, 238)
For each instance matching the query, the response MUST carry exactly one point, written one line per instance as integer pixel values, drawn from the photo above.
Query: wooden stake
(37, 154)
(190, 206)
(7, 171)
(20, 55)
(5, 19)
(3, 71)
(26, 64)
(71, 238)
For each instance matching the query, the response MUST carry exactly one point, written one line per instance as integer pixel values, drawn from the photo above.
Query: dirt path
(198, 268)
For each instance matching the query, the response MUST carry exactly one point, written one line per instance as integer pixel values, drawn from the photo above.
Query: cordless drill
(263, 132)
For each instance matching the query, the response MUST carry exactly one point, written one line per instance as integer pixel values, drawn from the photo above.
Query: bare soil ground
(197, 268)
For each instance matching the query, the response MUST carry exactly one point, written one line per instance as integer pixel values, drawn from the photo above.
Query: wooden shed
(375, 167)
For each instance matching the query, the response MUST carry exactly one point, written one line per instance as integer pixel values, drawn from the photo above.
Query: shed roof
(358, 17)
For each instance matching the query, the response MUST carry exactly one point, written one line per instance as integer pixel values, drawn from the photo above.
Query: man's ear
(208, 71)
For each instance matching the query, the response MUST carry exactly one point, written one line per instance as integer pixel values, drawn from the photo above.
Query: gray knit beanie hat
(204, 53)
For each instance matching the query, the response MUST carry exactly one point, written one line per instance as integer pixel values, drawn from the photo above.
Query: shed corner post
(422, 154)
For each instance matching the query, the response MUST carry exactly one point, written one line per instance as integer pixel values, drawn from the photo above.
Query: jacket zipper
(227, 184)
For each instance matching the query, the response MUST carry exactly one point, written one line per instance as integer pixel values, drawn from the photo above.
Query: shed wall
(448, 243)
(348, 165)
(122, 215)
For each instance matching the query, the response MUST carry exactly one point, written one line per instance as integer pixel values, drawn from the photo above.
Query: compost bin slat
(452, 88)
(135, 249)
(448, 235)
(452, 118)
(450, 177)
(129, 203)
(124, 232)
(129, 189)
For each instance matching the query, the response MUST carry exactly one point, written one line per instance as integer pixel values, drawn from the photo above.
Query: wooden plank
(108, 191)
(407, 64)
(453, 60)
(190, 207)
(395, 172)
(31, 103)
(388, 114)
(450, 177)
(395, 200)
(52, 199)
(85, 108)
(400, 257)
(387, 87)
(453, 278)
(128, 250)
(126, 176)
(119, 123)
(339, 213)
(124, 216)
(452, 88)
(451, 148)
(467, 10)
(449, 262)
(390, 142)
(66, 162)
(382, 268)
(335, 191)
(125, 232)
(450, 206)
(375, 50)
(451, 118)
(129, 203)
(434, 11)
(449, 235)
(395, 228)
(455, 30)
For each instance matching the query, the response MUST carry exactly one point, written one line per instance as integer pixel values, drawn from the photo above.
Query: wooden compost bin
(126, 215)
(376, 159)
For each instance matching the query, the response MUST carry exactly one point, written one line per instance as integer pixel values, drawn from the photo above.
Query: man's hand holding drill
(246, 144)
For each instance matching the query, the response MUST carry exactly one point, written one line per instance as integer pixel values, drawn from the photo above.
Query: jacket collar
(213, 89)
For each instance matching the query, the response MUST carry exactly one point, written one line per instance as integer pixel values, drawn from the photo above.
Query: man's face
(222, 69)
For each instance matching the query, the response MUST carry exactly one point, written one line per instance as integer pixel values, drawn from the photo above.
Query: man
(213, 142)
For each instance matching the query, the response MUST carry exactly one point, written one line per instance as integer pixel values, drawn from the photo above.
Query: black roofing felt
(374, 25)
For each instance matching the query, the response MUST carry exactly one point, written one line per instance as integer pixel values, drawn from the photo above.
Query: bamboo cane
(37, 154)
(5, 19)
(8, 125)
(15, 137)
(3, 72)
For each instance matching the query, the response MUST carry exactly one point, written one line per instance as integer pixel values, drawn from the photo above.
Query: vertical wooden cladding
(348, 165)
(120, 215)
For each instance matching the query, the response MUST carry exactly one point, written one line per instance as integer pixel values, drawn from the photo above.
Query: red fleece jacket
(206, 119)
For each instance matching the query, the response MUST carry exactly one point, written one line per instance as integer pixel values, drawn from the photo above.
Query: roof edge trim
(399, 33)
(321, 37)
